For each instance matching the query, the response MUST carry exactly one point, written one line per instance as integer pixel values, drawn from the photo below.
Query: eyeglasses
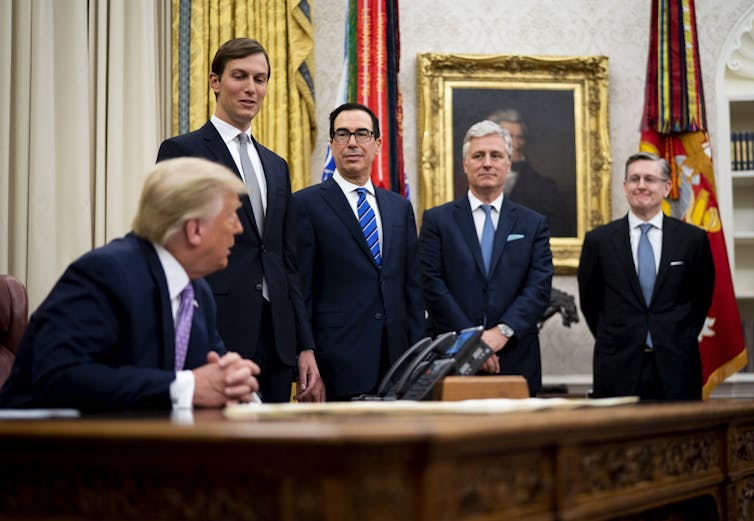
(342, 135)
(648, 180)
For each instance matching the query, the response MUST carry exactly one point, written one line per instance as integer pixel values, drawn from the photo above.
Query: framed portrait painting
(555, 109)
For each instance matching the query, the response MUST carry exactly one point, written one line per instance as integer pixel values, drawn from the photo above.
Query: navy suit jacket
(614, 308)
(104, 338)
(238, 288)
(350, 300)
(459, 294)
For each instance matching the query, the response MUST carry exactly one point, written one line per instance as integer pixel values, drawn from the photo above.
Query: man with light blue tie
(358, 264)
(646, 283)
(487, 261)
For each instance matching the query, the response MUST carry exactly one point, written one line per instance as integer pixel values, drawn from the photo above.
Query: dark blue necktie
(368, 222)
(646, 268)
(488, 237)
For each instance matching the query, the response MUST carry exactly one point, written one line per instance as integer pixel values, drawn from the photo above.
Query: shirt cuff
(182, 390)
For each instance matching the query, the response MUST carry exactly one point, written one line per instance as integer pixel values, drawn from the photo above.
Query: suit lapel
(219, 150)
(508, 218)
(387, 216)
(336, 200)
(622, 246)
(165, 308)
(465, 222)
(669, 242)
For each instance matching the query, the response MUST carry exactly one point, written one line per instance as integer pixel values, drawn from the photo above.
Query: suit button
(262, 247)
(378, 316)
(259, 287)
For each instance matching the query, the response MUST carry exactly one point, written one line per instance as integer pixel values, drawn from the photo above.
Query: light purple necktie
(183, 325)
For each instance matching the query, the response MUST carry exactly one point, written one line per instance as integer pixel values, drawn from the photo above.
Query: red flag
(673, 127)
(372, 55)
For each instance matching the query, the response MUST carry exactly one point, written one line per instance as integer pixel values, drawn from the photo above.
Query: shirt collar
(348, 187)
(476, 203)
(175, 275)
(227, 131)
(634, 221)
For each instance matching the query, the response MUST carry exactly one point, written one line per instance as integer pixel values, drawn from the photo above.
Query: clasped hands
(225, 380)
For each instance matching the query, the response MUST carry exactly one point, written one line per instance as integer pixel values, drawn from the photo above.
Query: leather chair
(14, 315)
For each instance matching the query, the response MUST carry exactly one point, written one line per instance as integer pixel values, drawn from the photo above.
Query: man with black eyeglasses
(646, 283)
(358, 263)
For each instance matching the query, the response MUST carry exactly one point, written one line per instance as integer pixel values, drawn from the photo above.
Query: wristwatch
(505, 330)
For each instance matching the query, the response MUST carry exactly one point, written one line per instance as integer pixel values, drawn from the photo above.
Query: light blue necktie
(647, 273)
(368, 222)
(488, 237)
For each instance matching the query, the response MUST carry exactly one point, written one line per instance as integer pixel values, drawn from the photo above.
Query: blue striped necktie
(368, 222)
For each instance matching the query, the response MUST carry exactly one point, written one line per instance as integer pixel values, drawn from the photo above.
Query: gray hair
(485, 128)
(647, 156)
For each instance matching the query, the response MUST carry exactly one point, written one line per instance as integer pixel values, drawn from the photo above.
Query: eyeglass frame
(636, 179)
(363, 139)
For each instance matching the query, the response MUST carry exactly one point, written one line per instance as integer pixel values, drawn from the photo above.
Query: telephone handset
(412, 360)
(463, 357)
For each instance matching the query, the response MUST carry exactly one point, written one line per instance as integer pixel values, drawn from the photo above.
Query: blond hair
(181, 189)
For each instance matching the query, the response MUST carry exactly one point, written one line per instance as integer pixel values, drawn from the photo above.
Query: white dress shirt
(654, 235)
(478, 213)
(349, 189)
(182, 388)
(229, 133)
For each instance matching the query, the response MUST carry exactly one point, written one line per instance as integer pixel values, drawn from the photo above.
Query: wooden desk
(548, 465)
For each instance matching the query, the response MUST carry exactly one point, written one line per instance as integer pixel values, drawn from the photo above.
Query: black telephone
(415, 373)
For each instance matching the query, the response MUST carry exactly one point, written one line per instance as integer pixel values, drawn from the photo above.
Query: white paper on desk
(37, 414)
(486, 406)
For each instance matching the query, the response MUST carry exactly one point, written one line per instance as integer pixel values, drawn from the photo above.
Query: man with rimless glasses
(646, 283)
(358, 263)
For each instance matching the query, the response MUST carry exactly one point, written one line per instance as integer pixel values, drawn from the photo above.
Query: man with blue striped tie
(358, 262)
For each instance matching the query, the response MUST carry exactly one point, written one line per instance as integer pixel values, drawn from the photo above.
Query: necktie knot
(183, 325)
(645, 227)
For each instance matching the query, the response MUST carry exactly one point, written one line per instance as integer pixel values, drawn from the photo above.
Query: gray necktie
(647, 273)
(252, 182)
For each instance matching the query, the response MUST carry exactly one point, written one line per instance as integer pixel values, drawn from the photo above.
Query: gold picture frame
(565, 96)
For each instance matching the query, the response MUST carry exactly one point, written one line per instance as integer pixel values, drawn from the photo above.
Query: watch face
(505, 330)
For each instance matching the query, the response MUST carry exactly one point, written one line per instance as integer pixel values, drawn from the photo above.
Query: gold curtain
(286, 123)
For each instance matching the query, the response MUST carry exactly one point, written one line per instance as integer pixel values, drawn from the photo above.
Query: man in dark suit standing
(131, 325)
(260, 310)
(486, 260)
(357, 253)
(646, 283)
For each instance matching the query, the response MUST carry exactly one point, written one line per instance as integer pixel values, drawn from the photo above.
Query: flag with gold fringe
(674, 127)
(370, 77)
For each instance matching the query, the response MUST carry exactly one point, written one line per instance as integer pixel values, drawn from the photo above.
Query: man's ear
(193, 231)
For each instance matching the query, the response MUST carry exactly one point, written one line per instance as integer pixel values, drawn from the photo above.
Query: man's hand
(224, 380)
(310, 385)
(496, 340)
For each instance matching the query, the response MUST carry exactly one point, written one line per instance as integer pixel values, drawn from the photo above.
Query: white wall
(618, 29)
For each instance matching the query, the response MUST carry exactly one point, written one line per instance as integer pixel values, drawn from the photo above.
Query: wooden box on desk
(453, 388)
